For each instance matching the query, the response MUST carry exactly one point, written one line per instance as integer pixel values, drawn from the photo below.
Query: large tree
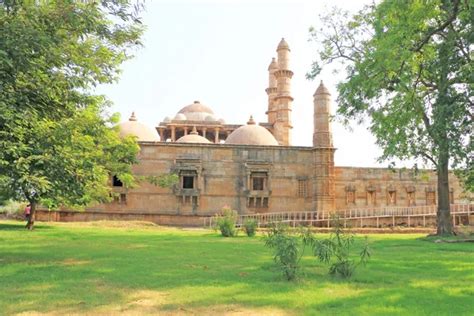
(57, 143)
(408, 68)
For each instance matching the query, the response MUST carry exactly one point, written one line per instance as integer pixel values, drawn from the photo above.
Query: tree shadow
(78, 270)
(21, 227)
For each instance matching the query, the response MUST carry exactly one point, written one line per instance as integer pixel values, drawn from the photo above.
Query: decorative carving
(410, 188)
(371, 188)
(391, 188)
(411, 200)
(391, 195)
(350, 188)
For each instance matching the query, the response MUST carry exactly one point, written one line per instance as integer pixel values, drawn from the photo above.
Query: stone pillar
(162, 136)
(204, 132)
(173, 133)
(185, 128)
(216, 136)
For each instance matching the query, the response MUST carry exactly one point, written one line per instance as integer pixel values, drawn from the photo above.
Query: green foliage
(13, 209)
(250, 227)
(58, 146)
(336, 251)
(409, 69)
(287, 249)
(187, 265)
(164, 180)
(226, 222)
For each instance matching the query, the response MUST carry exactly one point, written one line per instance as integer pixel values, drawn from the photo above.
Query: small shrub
(335, 251)
(13, 209)
(287, 250)
(250, 227)
(226, 222)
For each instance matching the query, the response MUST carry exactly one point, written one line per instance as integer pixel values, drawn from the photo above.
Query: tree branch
(428, 36)
(423, 154)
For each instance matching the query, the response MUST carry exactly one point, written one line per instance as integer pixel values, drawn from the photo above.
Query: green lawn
(101, 269)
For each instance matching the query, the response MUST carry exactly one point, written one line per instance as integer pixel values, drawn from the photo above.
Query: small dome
(140, 130)
(211, 118)
(180, 117)
(193, 137)
(273, 64)
(167, 119)
(196, 111)
(283, 45)
(251, 134)
(321, 89)
(222, 121)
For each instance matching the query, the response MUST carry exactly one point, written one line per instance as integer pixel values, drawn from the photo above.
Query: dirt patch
(74, 262)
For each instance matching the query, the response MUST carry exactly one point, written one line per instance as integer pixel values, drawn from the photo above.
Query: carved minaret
(324, 187)
(322, 135)
(282, 101)
(272, 92)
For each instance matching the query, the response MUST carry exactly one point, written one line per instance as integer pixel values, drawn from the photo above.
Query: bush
(335, 251)
(287, 250)
(13, 209)
(226, 222)
(250, 227)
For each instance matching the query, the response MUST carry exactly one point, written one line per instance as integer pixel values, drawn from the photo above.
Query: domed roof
(321, 89)
(273, 64)
(193, 137)
(180, 117)
(283, 45)
(211, 118)
(251, 134)
(140, 130)
(196, 111)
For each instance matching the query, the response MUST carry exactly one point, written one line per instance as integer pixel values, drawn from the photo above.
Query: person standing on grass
(27, 213)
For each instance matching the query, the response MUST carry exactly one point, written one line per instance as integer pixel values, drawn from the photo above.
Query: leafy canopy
(408, 67)
(57, 143)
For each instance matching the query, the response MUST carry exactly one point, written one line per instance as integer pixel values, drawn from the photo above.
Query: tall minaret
(322, 135)
(324, 185)
(272, 92)
(282, 101)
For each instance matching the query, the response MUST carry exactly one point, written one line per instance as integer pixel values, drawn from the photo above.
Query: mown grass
(100, 269)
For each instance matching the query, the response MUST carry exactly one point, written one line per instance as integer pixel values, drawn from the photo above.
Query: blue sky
(218, 52)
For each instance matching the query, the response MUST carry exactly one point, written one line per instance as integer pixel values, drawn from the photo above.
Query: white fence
(376, 215)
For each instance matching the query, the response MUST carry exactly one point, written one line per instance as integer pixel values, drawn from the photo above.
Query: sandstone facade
(253, 168)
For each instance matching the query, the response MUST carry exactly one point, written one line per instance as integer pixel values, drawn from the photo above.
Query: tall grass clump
(250, 227)
(226, 222)
(336, 251)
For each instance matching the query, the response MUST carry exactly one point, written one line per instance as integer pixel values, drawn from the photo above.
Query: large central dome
(251, 134)
(196, 112)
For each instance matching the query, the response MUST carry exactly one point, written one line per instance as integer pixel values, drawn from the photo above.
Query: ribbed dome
(251, 134)
(321, 89)
(283, 45)
(193, 137)
(140, 130)
(196, 111)
(273, 64)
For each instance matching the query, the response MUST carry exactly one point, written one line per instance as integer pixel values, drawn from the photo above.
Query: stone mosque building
(253, 168)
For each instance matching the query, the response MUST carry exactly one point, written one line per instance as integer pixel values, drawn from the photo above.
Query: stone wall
(378, 187)
(223, 176)
(88, 216)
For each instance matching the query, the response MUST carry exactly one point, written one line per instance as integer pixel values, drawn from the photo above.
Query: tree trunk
(31, 218)
(442, 115)
(444, 223)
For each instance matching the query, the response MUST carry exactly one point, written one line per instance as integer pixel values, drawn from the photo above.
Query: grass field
(141, 269)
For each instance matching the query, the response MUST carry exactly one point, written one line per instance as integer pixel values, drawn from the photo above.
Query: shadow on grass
(20, 226)
(85, 269)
